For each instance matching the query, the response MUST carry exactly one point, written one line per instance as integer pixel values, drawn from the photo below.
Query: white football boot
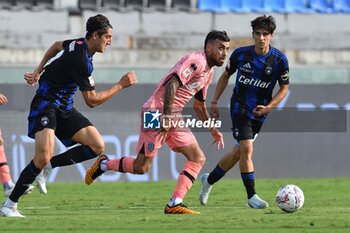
(256, 202)
(10, 212)
(205, 190)
(41, 181)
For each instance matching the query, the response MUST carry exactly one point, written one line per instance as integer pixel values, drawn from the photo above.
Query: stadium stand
(274, 6)
(185, 5)
(90, 4)
(253, 5)
(6, 4)
(210, 5)
(161, 5)
(113, 4)
(341, 6)
(297, 6)
(322, 6)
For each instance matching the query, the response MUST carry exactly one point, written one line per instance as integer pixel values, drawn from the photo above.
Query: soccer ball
(290, 198)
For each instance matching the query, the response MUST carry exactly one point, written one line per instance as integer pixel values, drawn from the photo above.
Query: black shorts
(244, 128)
(65, 123)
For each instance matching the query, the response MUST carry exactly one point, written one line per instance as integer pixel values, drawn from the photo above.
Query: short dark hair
(99, 23)
(215, 34)
(267, 23)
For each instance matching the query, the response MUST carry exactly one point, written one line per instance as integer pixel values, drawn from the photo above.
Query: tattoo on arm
(170, 89)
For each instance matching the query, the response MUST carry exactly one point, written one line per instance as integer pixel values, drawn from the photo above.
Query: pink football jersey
(195, 75)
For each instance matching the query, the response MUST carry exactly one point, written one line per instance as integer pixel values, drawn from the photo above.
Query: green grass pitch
(138, 207)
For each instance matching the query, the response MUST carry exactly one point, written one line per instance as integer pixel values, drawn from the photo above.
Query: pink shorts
(152, 140)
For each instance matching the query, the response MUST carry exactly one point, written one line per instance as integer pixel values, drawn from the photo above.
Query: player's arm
(32, 78)
(261, 110)
(170, 89)
(220, 87)
(93, 98)
(202, 113)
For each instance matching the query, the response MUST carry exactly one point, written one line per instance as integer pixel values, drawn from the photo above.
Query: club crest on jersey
(268, 70)
(150, 146)
(92, 82)
(187, 72)
(44, 121)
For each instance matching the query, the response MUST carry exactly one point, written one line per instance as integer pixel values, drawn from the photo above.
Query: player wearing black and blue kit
(66, 67)
(259, 68)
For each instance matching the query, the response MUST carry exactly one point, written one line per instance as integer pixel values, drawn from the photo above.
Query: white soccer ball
(290, 198)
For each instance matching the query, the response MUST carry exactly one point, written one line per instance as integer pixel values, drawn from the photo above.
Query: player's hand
(260, 110)
(214, 111)
(31, 78)
(218, 139)
(3, 99)
(128, 79)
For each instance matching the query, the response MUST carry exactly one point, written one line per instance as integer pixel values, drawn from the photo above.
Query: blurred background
(150, 36)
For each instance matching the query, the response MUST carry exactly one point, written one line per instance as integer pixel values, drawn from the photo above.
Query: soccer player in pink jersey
(190, 77)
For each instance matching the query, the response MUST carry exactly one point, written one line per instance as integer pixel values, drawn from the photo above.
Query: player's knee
(246, 151)
(41, 162)
(99, 148)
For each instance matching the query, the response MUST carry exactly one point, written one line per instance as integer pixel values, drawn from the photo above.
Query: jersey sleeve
(231, 66)
(283, 78)
(187, 68)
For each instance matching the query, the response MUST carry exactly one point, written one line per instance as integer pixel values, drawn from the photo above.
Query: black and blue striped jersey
(256, 77)
(69, 70)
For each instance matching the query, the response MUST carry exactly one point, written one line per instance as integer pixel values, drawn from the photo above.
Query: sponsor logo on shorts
(44, 121)
(150, 146)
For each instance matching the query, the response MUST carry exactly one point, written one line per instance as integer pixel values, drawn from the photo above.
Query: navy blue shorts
(65, 123)
(244, 128)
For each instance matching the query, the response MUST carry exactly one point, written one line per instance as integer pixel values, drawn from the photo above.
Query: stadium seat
(322, 6)
(210, 5)
(186, 5)
(90, 4)
(253, 5)
(6, 4)
(274, 6)
(22, 4)
(342, 6)
(45, 4)
(232, 5)
(163, 5)
(137, 4)
(297, 6)
(113, 4)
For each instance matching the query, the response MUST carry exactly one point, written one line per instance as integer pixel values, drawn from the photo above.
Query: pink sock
(127, 166)
(184, 183)
(4, 168)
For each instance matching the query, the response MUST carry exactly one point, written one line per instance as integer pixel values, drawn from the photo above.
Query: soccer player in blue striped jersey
(259, 67)
(66, 67)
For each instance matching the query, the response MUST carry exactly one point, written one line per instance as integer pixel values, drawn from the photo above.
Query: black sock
(216, 175)
(25, 179)
(75, 155)
(249, 183)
